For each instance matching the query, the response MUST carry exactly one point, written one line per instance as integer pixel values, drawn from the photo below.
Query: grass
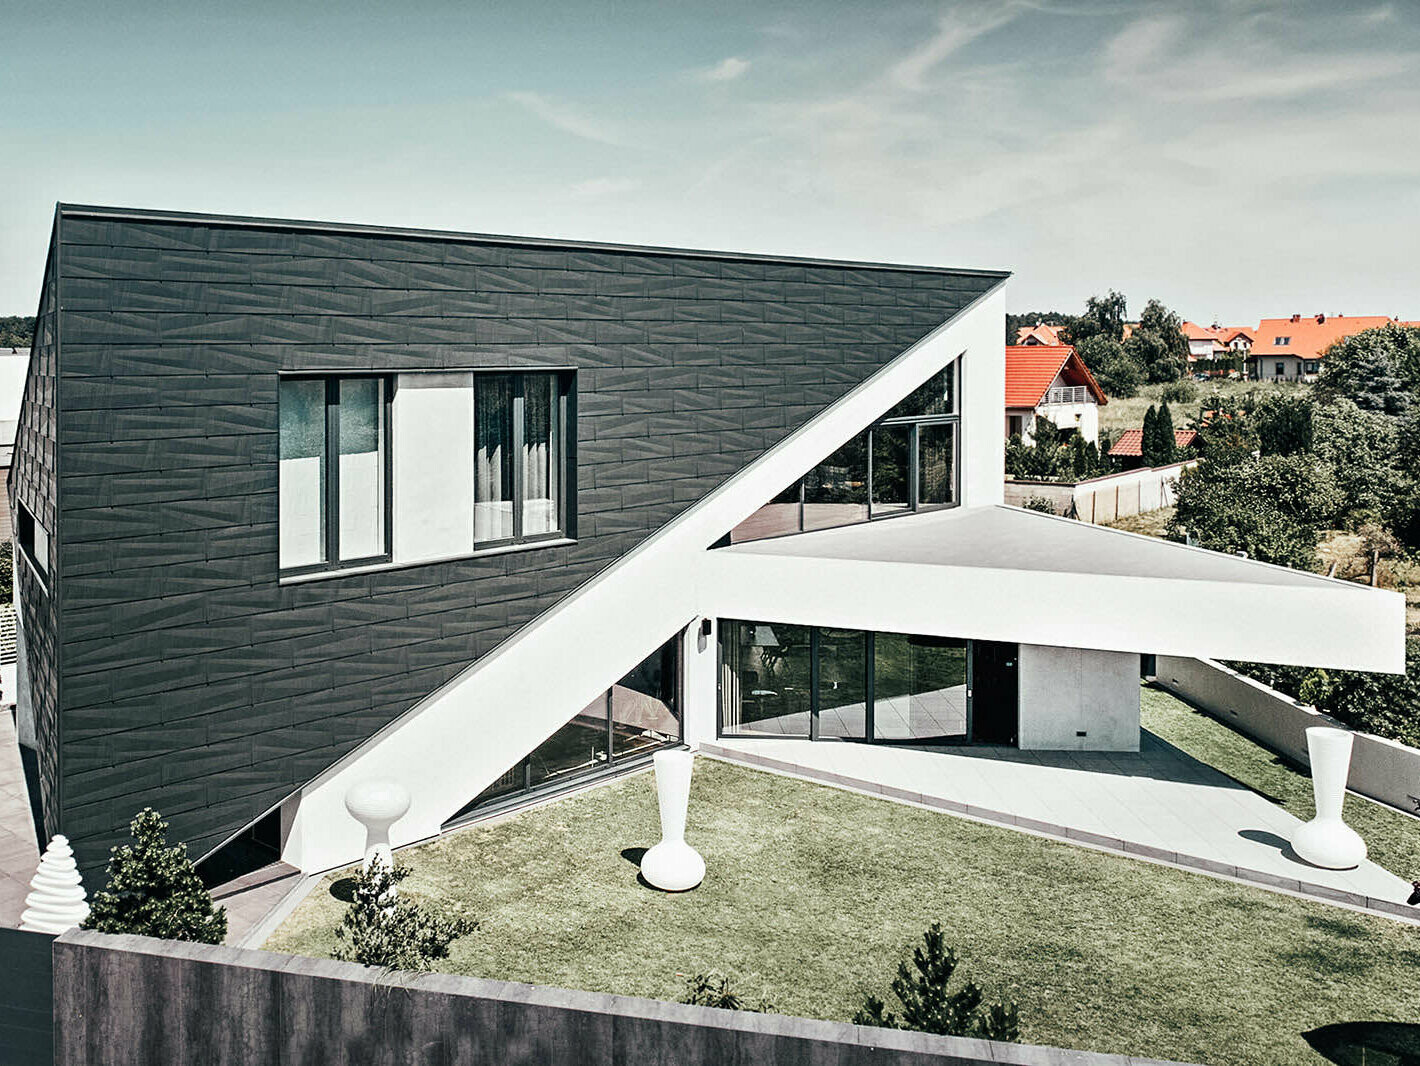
(1149, 523)
(1121, 414)
(813, 895)
(1392, 838)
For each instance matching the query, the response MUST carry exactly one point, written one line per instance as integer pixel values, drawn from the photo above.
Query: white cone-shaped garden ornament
(56, 902)
(1326, 840)
(673, 865)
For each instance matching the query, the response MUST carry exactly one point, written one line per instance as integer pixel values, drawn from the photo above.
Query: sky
(1237, 159)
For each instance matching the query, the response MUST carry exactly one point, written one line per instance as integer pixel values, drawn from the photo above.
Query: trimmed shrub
(153, 890)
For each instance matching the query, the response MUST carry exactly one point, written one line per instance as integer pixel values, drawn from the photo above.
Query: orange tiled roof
(1131, 442)
(1032, 368)
(1310, 335)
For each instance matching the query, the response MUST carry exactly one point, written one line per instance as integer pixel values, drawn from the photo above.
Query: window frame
(330, 503)
(25, 518)
(562, 383)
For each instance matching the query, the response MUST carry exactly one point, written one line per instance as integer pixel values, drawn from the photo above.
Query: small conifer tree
(1146, 440)
(381, 928)
(153, 890)
(1163, 437)
(928, 1006)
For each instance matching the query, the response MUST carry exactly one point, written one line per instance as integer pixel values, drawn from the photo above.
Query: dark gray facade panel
(198, 684)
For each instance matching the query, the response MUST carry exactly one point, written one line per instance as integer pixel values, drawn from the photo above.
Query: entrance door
(993, 693)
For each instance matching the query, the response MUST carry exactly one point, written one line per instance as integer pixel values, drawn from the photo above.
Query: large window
(33, 540)
(633, 718)
(333, 472)
(807, 681)
(906, 462)
(418, 467)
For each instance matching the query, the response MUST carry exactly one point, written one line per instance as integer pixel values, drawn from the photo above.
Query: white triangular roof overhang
(1003, 573)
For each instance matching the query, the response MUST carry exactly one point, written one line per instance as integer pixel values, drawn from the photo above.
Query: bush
(7, 573)
(714, 989)
(154, 890)
(1042, 504)
(382, 928)
(927, 1005)
(1181, 391)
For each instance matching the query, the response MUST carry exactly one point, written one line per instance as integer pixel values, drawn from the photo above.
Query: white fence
(1382, 769)
(1104, 499)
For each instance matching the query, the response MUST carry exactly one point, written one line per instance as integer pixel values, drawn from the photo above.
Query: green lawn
(1121, 414)
(1392, 838)
(813, 893)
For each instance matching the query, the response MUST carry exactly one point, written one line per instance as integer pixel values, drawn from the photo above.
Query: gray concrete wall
(1384, 770)
(127, 1001)
(1108, 498)
(1068, 691)
(26, 998)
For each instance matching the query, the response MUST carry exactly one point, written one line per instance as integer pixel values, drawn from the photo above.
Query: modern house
(1292, 349)
(302, 505)
(1052, 382)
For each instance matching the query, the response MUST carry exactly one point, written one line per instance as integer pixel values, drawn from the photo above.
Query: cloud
(728, 69)
(603, 188)
(568, 119)
(955, 31)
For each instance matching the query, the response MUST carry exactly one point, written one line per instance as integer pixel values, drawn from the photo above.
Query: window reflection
(892, 457)
(836, 491)
(765, 678)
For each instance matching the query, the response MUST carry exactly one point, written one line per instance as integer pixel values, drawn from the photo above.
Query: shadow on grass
(343, 889)
(1367, 1043)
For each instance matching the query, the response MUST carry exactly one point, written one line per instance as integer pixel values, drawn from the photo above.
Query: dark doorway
(994, 691)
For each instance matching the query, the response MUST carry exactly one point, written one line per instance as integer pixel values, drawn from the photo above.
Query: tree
(1284, 424)
(1272, 507)
(383, 928)
(928, 1006)
(1363, 449)
(1115, 370)
(17, 331)
(1149, 352)
(154, 890)
(1378, 368)
(1226, 432)
(1158, 444)
(1104, 316)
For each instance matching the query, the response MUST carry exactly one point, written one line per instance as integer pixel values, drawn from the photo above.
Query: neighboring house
(1051, 382)
(1039, 333)
(305, 505)
(14, 364)
(1291, 349)
(1129, 448)
(1207, 344)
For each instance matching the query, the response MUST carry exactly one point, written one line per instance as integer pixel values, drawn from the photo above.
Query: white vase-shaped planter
(377, 805)
(1326, 840)
(56, 901)
(673, 865)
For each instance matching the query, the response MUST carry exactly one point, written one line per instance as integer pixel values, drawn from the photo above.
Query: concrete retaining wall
(1105, 499)
(26, 998)
(1382, 769)
(127, 1000)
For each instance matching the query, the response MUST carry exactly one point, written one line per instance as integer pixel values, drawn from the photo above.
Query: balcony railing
(1068, 394)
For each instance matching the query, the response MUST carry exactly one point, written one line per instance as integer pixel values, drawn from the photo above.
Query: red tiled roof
(1131, 441)
(1032, 368)
(1310, 335)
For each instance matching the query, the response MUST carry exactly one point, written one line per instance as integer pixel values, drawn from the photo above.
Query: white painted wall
(1068, 691)
(1381, 769)
(460, 738)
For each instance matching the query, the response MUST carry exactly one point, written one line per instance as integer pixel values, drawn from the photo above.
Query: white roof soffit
(1003, 573)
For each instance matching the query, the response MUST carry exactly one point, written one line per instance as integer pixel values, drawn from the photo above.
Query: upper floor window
(907, 461)
(1281, 342)
(431, 466)
(33, 540)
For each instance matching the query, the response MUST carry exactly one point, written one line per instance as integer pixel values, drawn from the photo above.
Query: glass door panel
(919, 687)
(766, 678)
(936, 464)
(891, 473)
(842, 684)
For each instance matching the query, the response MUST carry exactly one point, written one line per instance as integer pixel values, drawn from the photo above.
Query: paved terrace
(1158, 803)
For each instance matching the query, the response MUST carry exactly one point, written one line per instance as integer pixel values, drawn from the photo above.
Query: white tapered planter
(1326, 840)
(56, 901)
(377, 805)
(673, 865)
